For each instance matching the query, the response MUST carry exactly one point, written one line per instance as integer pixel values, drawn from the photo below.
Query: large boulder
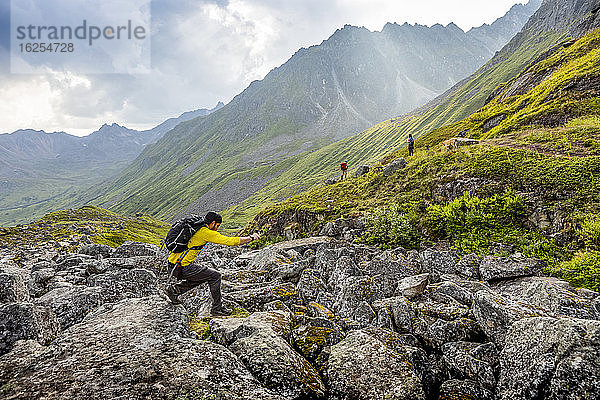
(311, 286)
(256, 299)
(95, 250)
(317, 333)
(362, 367)
(400, 311)
(396, 165)
(134, 249)
(555, 296)
(138, 348)
(116, 263)
(261, 342)
(495, 314)
(277, 366)
(270, 258)
(72, 304)
(468, 267)
(470, 360)
(227, 330)
(412, 286)
(496, 268)
(125, 283)
(456, 389)
(13, 287)
(19, 321)
(439, 262)
(39, 281)
(343, 228)
(550, 358)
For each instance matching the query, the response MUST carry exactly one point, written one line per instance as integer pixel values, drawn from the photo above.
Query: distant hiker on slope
(344, 168)
(411, 144)
(186, 240)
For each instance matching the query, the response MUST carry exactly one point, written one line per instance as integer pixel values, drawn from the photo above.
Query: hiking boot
(173, 297)
(220, 311)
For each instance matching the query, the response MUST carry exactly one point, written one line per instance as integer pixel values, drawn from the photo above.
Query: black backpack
(182, 231)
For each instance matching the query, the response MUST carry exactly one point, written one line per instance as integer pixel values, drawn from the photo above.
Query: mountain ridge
(321, 94)
(38, 166)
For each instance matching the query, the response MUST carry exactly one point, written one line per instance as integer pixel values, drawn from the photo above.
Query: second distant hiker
(344, 168)
(184, 251)
(411, 144)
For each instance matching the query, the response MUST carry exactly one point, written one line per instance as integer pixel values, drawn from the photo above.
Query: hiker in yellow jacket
(182, 265)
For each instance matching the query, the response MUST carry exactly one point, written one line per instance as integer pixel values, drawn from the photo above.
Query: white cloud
(206, 51)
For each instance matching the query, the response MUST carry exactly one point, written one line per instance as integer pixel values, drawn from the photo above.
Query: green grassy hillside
(533, 181)
(101, 226)
(322, 94)
(310, 169)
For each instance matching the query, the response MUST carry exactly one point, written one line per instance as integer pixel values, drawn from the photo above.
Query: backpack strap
(178, 262)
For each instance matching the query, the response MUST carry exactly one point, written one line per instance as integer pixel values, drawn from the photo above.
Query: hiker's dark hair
(212, 216)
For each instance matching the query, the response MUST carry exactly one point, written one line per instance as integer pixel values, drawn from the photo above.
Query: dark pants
(192, 275)
(410, 151)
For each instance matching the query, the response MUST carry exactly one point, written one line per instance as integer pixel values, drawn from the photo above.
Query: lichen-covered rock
(227, 330)
(456, 389)
(400, 309)
(355, 297)
(39, 281)
(553, 295)
(255, 299)
(468, 267)
(455, 291)
(496, 268)
(134, 249)
(394, 166)
(412, 286)
(270, 258)
(343, 227)
(467, 360)
(125, 283)
(95, 249)
(407, 347)
(19, 321)
(277, 366)
(550, 358)
(135, 349)
(393, 266)
(442, 331)
(12, 288)
(311, 285)
(362, 367)
(439, 262)
(312, 338)
(495, 314)
(117, 263)
(71, 304)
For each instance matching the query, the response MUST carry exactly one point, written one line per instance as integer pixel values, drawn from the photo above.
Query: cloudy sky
(202, 52)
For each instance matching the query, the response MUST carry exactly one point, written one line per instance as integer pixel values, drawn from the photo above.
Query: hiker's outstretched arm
(207, 235)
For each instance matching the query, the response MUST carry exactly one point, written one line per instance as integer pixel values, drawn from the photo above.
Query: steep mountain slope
(531, 185)
(554, 22)
(37, 167)
(322, 94)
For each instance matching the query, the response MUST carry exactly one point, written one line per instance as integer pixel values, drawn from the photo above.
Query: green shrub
(390, 228)
(590, 233)
(469, 215)
(473, 223)
(582, 271)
